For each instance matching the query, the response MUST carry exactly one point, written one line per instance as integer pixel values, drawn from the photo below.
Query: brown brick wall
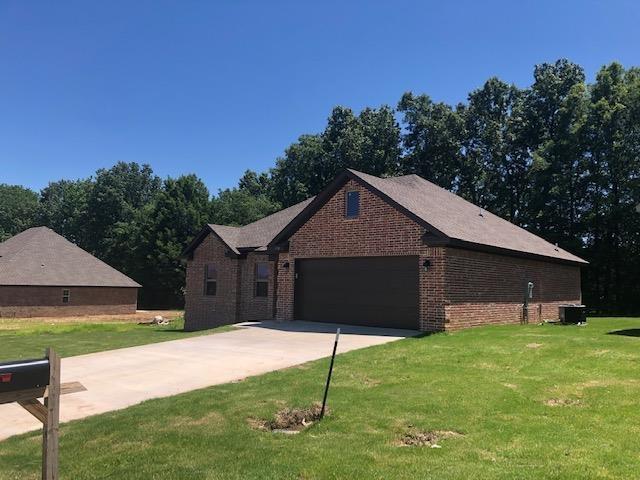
(460, 289)
(483, 288)
(254, 308)
(32, 301)
(379, 230)
(204, 311)
(235, 299)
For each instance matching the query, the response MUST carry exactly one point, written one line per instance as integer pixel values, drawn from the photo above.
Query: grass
(21, 339)
(530, 402)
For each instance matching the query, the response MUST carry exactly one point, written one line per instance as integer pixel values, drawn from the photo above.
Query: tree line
(560, 158)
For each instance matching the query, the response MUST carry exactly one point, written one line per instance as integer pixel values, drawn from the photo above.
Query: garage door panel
(374, 291)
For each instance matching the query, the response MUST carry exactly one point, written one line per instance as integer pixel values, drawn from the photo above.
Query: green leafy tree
(18, 209)
(432, 140)
(369, 142)
(556, 113)
(117, 195)
(166, 225)
(240, 207)
(495, 165)
(613, 134)
(64, 208)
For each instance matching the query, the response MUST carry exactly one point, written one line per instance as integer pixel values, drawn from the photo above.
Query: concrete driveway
(120, 378)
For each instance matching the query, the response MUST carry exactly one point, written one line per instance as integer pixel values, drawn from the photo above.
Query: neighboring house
(394, 252)
(43, 274)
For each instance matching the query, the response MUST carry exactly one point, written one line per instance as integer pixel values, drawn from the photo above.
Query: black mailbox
(24, 375)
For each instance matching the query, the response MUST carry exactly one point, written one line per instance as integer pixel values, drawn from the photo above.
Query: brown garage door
(372, 291)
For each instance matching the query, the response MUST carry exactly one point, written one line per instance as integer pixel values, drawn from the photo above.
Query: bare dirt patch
(562, 402)
(419, 438)
(534, 345)
(140, 315)
(289, 420)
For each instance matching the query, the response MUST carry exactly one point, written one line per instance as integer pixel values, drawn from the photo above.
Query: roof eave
(198, 239)
(463, 244)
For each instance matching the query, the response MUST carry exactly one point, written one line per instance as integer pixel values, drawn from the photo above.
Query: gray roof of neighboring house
(40, 257)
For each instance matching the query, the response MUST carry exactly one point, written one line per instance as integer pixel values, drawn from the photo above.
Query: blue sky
(214, 88)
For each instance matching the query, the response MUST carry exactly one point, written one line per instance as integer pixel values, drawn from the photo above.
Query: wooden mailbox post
(24, 382)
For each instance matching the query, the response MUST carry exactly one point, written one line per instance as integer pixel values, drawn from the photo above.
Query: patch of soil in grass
(289, 420)
(534, 345)
(562, 402)
(419, 438)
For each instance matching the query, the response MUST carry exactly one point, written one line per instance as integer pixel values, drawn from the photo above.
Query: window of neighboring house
(210, 279)
(353, 204)
(66, 296)
(262, 279)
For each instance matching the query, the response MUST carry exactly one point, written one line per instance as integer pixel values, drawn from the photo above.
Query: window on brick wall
(66, 295)
(262, 279)
(210, 279)
(352, 208)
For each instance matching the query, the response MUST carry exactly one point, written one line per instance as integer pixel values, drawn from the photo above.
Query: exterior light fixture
(285, 265)
(426, 264)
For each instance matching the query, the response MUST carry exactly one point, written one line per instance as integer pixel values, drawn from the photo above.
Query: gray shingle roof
(454, 219)
(258, 234)
(459, 219)
(39, 256)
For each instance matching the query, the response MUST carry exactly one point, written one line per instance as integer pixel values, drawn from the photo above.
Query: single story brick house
(43, 274)
(392, 252)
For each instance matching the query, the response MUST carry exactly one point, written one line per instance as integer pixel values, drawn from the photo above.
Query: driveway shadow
(318, 327)
(627, 332)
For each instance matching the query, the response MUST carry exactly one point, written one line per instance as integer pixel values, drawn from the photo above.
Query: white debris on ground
(157, 320)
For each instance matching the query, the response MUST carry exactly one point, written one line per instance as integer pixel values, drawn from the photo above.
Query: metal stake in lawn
(326, 388)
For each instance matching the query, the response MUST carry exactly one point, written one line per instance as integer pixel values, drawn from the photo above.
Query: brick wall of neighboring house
(379, 230)
(36, 301)
(254, 308)
(206, 311)
(484, 288)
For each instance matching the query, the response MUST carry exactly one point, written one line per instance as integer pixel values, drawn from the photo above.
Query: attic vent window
(352, 204)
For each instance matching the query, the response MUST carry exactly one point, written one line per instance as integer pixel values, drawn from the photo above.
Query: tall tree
(64, 208)
(18, 209)
(432, 140)
(494, 164)
(117, 194)
(166, 225)
(238, 206)
(293, 177)
(614, 170)
(368, 142)
(556, 114)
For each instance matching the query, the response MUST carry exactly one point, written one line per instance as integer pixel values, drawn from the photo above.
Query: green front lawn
(26, 339)
(530, 402)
